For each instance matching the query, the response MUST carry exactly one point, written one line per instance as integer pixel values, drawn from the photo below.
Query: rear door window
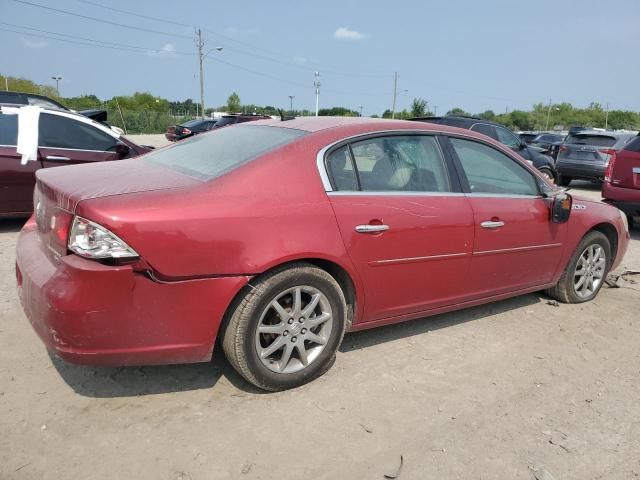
(411, 163)
(491, 171)
(212, 155)
(57, 131)
(8, 130)
(340, 168)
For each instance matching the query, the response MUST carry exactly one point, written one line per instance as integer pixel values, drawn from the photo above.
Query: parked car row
(498, 132)
(194, 127)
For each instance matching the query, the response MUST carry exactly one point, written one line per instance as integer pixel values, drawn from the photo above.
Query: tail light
(90, 240)
(186, 131)
(608, 174)
(562, 148)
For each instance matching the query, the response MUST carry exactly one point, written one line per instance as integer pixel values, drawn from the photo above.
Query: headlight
(625, 222)
(90, 240)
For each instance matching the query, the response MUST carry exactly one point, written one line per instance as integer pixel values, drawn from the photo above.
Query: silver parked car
(585, 154)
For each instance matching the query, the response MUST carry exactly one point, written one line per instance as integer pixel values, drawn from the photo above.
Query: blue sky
(477, 55)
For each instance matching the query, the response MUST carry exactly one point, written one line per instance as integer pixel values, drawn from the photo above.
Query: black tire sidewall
(320, 365)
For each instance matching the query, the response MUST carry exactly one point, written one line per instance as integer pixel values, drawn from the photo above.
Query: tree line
(143, 112)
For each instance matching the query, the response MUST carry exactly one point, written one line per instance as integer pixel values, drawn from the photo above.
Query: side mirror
(561, 207)
(523, 145)
(122, 150)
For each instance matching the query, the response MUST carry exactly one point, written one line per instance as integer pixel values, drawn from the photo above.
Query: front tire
(587, 269)
(563, 180)
(286, 329)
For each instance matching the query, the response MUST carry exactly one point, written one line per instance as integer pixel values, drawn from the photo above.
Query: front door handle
(372, 228)
(492, 224)
(57, 158)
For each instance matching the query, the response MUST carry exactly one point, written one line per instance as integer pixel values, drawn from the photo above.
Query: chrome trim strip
(344, 193)
(501, 195)
(517, 249)
(392, 261)
(635, 170)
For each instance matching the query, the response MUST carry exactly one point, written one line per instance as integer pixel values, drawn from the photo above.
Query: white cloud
(34, 43)
(344, 33)
(167, 50)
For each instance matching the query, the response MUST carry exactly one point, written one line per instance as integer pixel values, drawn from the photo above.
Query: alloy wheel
(293, 329)
(589, 271)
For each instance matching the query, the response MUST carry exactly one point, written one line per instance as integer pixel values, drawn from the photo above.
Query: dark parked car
(546, 140)
(528, 137)
(64, 138)
(351, 223)
(621, 185)
(503, 135)
(188, 129)
(233, 119)
(584, 155)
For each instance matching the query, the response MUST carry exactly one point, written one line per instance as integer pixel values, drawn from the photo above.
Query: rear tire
(563, 180)
(286, 329)
(589, 264)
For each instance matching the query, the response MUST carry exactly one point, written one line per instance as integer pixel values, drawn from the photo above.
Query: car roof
(68, 114)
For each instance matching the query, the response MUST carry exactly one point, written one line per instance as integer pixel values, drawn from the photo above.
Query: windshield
(216, 153)
(192, 123)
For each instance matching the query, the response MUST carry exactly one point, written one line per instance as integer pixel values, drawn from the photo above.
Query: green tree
(418, 107)
(233, 103)
(458, 112)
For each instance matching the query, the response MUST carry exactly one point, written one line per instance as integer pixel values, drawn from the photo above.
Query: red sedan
(277, 237)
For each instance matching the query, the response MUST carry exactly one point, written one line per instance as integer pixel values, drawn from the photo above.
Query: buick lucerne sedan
(277, 237)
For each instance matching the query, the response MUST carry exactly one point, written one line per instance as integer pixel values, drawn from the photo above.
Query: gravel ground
(515, 389)
(152, 140)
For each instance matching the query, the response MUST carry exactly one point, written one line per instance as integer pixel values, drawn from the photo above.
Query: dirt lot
(516, 389)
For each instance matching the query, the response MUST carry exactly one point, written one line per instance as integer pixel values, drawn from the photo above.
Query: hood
(75, 183)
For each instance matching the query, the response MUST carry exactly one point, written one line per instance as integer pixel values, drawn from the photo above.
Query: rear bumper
(90, 313)
(581, 170)
(626, 199)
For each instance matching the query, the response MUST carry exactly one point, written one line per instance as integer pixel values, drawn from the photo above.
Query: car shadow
(8, 225)
(106, 382)
(367, 338)
(115, 382)
(586, 185)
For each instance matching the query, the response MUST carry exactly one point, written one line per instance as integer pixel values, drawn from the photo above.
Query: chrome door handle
(371, 228)
(57, 158)
(490, 224)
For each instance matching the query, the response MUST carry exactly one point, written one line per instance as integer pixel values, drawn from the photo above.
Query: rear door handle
(57, 158)
(371, 228)
(492, 224)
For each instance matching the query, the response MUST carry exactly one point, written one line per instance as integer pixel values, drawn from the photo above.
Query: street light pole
(316, 83)
(395, 94)
(57, 79)
(291, 97)
(201, 57)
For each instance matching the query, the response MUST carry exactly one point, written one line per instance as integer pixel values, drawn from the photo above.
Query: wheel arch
(609, 231)
(337, 271)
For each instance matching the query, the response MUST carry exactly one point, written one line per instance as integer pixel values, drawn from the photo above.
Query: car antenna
(283, 117)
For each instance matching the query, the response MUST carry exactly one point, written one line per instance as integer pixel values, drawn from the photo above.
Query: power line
(130, 48)
(272, 55)
(108, 22)
(85, 39)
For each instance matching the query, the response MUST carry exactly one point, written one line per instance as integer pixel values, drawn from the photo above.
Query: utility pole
(360, 107)
(606, 118)
(57, 79)
(548, 115)
(291, 97)
(201, 59)
(6, 83)
(435, 110)
(395, 94)
(316, 83)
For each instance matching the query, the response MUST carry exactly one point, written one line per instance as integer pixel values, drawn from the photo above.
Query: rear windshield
(592, 140)
(211, 155)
